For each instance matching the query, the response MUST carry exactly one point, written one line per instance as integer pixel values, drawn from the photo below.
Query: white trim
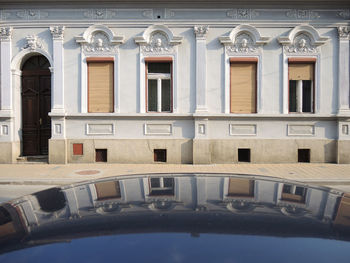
(100, 133)
(158, 133)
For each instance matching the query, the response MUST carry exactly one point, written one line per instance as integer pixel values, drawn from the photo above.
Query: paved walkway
(62, 174)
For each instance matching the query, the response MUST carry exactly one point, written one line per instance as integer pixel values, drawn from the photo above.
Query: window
(101, 155)
(293, 193)
(159, 86)
(241, 187)
(159, 155)
(244, 155)
(162, 186)
(243, 86)
(108, 190)
(301, 87)
(100, 85)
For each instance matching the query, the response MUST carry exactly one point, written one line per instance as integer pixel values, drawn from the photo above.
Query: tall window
(301, 87)
(159, 86)
(243, 86)
(100, 85)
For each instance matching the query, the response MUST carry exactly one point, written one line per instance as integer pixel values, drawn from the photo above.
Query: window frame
(244, 60)
(100, 60)
(304, 60)
(160, 60)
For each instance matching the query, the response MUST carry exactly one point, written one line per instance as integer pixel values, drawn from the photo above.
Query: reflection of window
(6, 225)
(301, 87)
(243, 86)
(108, 190)
(293, 193)
(162, 186)
(241, 187)
(51, 200)
(159, 90)
(100, 85)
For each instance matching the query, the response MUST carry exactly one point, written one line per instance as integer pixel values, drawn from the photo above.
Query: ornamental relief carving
(32, 43)
(99, 43)
(57, 32)
(201, 31)
(5, 33)
(302, 44)
(158, 44)
(243, 44)
(344, 32)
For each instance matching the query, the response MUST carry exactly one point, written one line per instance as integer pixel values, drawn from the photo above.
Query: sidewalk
(51, 174)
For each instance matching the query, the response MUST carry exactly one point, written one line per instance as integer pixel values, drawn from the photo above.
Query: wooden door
(36, 104)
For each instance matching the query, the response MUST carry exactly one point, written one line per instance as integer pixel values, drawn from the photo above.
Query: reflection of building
(183, 203)
(177, 193)
(175, 82)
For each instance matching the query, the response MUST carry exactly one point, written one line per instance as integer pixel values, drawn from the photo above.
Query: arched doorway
(36, 104)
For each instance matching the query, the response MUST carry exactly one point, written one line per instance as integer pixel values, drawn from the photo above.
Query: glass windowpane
(292, 96)
(307, 96)
(159, 67)
(152, 95)
(166, 94)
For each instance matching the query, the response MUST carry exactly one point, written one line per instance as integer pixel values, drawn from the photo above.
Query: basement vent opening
(101, 155)
(160, 155)
(244, 155)
(303, 155)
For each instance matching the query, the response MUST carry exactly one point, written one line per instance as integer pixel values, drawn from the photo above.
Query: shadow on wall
(186, 152)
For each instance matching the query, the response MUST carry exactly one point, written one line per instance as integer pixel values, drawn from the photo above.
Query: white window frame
(159, 77)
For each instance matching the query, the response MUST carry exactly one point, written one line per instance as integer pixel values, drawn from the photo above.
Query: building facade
(142, 83)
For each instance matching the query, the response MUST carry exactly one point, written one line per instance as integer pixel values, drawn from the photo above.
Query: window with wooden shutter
(108, 190)
(241, 187)
(100, 86)
(301, 86)
(243, 87)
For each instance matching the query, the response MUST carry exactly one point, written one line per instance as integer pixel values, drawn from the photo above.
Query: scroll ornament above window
(99, 39)
(303, 39)
(243, 39)
(158, 39)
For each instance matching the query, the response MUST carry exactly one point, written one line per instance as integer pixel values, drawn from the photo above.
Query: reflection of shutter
(107, 190)
(7, 229)
(241, 187)
(100, 83)
(301, 71)
(343, 213)
(243, 87)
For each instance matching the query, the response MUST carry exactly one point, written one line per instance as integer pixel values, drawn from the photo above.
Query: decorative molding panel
(301, 130)
(243, 129)
(100, 129)
(158, 129)
(132, 14)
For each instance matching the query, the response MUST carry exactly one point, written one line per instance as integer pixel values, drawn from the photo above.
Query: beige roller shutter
(301, 71)
(241, 187)
(243, 87)
(107, 190)
(100, 84)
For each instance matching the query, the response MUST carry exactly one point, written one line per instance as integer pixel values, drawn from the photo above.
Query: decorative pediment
(158, 39)
(99, 39)
(303, 39)
(244, 39)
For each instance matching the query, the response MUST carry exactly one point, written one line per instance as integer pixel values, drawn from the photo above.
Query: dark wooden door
(36, 104)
